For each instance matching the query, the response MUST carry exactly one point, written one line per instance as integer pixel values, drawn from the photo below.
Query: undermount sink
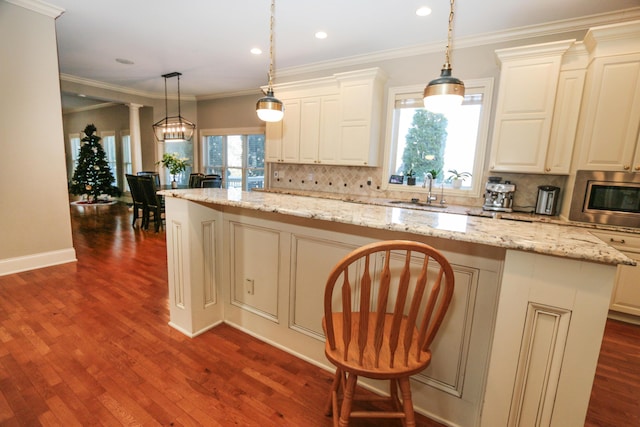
(416, 204)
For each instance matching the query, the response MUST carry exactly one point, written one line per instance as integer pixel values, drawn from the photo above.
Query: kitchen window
(419, 141)
(235, 154)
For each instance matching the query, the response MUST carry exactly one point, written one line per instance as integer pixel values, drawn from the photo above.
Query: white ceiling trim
(91, 107)
(578, 24)
(122, 89)
(38, 6)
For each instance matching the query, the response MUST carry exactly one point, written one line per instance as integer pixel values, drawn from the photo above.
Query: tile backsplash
(352, 181)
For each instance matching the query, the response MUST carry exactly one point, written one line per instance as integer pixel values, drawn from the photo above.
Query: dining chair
(213, 182)
(383, 305)
(194, 179)
(154, 174)
(139, 204)
(154, 202)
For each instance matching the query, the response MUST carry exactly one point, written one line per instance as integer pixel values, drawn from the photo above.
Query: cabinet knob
(626, 167)
(547, 169)
(637, 168)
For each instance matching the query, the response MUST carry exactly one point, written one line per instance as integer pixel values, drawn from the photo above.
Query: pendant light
(445, 92)
(270, 108)
(174, 128)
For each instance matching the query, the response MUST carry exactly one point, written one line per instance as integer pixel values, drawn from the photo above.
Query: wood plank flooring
(88, 344)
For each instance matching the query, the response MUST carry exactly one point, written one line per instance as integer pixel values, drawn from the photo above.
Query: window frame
(225, 132)
(472, 86)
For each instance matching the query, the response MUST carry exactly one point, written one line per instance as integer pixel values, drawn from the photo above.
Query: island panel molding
(512, 350)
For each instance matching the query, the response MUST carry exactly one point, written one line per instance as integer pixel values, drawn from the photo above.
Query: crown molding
(549, 28)
(90, 107)
(121, 89)
(39, 6)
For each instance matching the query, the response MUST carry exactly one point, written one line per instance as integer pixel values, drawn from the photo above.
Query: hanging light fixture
(445, 92)
(174, 128)
(270, 108)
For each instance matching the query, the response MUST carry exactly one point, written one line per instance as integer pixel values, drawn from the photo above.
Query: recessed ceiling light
(256, 51)
(423, 11)
(321, 35)
(124, 61)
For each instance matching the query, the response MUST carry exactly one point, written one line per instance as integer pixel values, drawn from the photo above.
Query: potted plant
(411, 178)
(456, 178)
(175, 165)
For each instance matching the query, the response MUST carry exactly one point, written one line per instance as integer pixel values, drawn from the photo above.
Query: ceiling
(209, 41)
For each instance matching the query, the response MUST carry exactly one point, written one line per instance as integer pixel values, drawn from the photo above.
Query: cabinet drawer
(624, 242)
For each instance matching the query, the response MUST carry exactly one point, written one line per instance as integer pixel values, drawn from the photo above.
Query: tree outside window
(420, 141)
(425, 144)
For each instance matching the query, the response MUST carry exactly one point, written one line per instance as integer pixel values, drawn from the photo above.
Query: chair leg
(347, 400)
(158, 220)
(145, 218)
(407, 403)
(335, 386)
(393, 392)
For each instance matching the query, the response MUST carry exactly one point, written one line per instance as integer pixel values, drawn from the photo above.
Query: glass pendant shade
(270, 108)
(173, 129)
(444, 93)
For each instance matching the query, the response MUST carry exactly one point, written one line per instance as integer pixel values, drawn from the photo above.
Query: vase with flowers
(175, 164)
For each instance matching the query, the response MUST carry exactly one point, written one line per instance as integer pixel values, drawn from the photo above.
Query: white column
(134, 135)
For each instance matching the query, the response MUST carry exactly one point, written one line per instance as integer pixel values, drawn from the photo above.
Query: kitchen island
(521, 340)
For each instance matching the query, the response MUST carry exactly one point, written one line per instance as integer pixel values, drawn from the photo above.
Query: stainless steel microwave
(606, 197)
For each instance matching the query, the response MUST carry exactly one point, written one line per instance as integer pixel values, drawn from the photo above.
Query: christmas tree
(92, 176)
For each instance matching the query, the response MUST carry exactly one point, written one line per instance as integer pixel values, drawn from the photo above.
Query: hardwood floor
(88, 344)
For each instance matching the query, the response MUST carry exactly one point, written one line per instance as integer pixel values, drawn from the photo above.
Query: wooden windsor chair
(383, 305)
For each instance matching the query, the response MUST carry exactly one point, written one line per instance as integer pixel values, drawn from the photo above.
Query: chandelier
(174, 128)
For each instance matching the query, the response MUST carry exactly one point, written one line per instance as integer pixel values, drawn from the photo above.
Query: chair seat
(386, 367)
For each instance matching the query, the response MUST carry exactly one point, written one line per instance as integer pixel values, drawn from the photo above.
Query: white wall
(35, 223)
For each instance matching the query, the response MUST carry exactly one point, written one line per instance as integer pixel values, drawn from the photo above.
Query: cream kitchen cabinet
(626, 292)
(319, 136)
(537, 110)
(333, 120)
(611, 115)
(610, 118)
(283, 138)
(360, 113)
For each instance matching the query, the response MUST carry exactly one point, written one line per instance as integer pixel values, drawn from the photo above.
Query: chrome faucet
(430, 198)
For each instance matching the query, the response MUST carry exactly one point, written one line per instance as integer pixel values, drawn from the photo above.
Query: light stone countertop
(539, 237)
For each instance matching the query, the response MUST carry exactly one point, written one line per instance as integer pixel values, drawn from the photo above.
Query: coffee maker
(498, 196)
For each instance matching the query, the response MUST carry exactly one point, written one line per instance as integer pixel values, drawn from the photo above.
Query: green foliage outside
(425, 144)
(92, 177)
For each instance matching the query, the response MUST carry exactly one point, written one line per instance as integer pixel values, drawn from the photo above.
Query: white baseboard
(32, 262)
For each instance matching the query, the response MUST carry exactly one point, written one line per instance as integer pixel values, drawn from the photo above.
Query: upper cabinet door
(565, 121)
(526, 99)
(291, 131)
(611, 114)
(309, 129)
